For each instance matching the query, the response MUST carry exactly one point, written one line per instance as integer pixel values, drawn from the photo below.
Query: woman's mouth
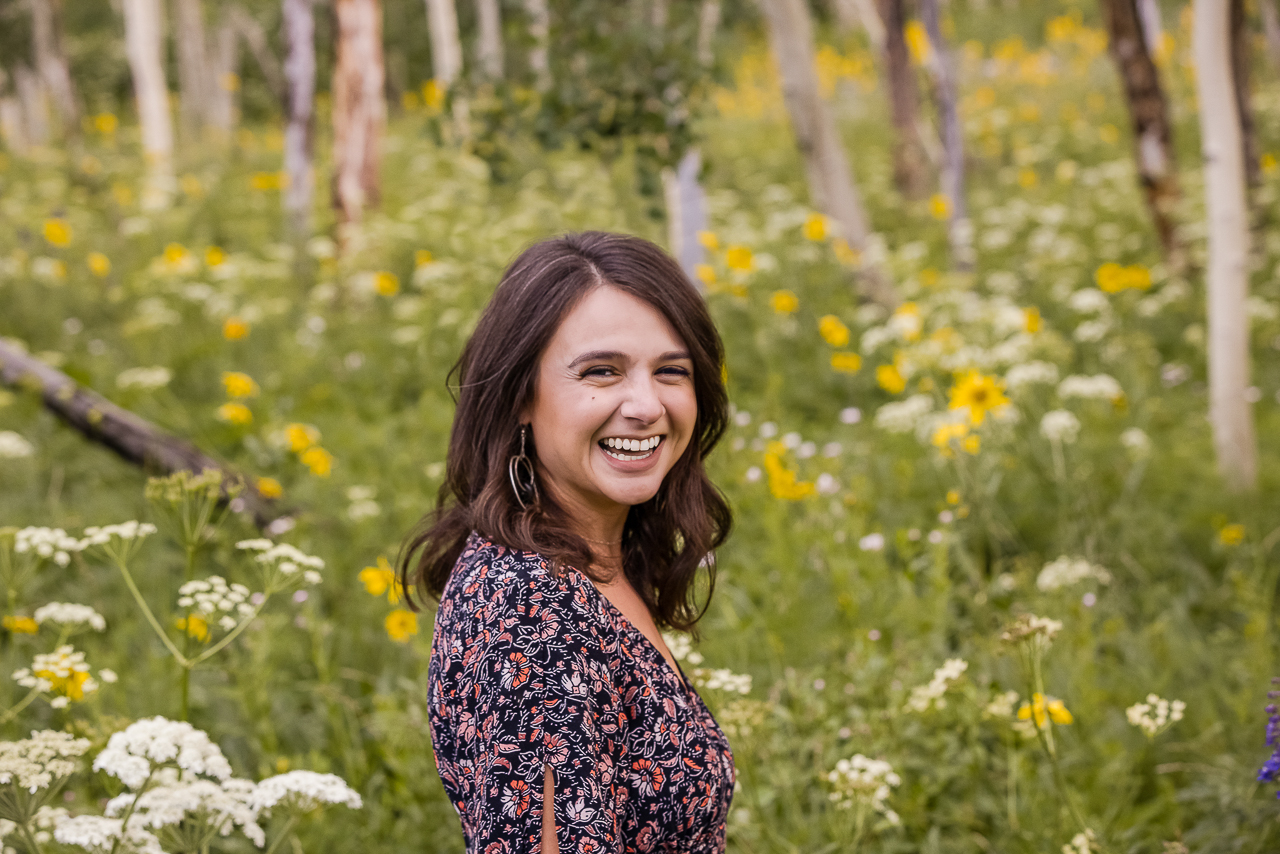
(631, 450)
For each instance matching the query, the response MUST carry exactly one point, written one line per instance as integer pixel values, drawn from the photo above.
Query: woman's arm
(550, 844)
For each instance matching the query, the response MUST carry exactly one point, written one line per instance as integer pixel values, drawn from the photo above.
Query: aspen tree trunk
(34, 104)
(359, 111)
(144, 32)
(540, 30)
(446, 49)
(659, 12)
(959, 227)
(489, 56)
(223, 81)
(51, 61)
(255, 38)
(855, 14)
(195, 87)
(1227, 283)
(12, 128)
(909, 154)
(1244, 104)
(708, 23)
(1152, 26)
(830, 177)
(1149, 111)
(300, 76)
(1271, 27)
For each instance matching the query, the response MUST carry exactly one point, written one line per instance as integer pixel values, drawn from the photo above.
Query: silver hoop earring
(521, 473)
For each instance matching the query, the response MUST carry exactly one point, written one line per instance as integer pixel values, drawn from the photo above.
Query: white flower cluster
(1002, 705)
(98, 835)
(1081, 843)
(99, 535)
(1136, 441)
(13, 446)
(901, 416)
(1096, 387)
(1066, 571)
(129, 754)
(223, 806)
(1029, 373)
(147, 379)
(1155, 715)
(285, 558)
(1029, 626)
(722, 680)
(213, 595)
(865, 781)
(35, 763)
(1060, 425)
(924, 697)
(47, 543)
(70, 614)
(303, 791)
(58, 670)
(681, 648)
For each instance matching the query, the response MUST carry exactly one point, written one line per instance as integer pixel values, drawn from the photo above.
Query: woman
(575, 517)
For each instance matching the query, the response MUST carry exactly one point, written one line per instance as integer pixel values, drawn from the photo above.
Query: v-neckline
(677, 671)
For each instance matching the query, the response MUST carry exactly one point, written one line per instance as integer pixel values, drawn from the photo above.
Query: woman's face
(613, 407)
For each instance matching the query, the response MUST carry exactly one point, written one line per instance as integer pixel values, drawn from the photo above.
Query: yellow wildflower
(706, 274)
(21, 625)
(783, 482)
(1043, 708)
(1268, 163)
(176, 256)
(235, 413)
(269, 487)
(99, 264)
(268, 181)
(979, 392)
(385, 283)
(422, 258)
(815, 227)
(739, 258)
(238, 384)
(214, 256)
(939, 206)
(929, 277)
(972, 443)
(917, 42)
(845, 253)
(318, 460)
(1109, 133)
(401, 625)
(709, 241)
(833, 331)
(1231, 535)
(953, 497)
(105, 123)
(946, 434)
(784, 302)
(233, 329)
(57, 231)
(1027, 178)
(381, 579)
(194, 625)
(433, 95)
(846, 362)
(1031, 320)
(890, 378)
(301, 436)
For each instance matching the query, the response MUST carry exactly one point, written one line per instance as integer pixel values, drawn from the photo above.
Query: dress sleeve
(544, 696)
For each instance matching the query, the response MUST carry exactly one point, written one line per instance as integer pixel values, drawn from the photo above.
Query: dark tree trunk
(909, 167)
(959, 228)
(1244, 106)
(359, 110)
(1149, 110)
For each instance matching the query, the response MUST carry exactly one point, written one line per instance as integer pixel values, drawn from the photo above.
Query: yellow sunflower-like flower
(815, 227)
(739, 259)
(939, 206)
(381, 579)
(20, 625)
(385, 283)
(833, 331)
(235, 413)
(57, 231)
(238, 384)
(890, 378)
(784, 302)
(846, 362)
(233, 329)
(1231, 535)
(980, 392)
(98, 264)
(269, 487)
(401, 625)
(318, 460)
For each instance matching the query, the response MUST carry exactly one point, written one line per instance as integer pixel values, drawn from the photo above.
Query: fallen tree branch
(132, 437)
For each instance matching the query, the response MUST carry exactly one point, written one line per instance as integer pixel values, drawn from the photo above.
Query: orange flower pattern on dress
(531, 669)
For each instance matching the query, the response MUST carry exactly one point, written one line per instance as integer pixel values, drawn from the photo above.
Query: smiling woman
(574, 521)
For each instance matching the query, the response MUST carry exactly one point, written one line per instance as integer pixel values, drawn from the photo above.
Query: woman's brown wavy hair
(666, 539)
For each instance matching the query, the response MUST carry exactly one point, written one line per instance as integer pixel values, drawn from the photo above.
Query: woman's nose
(642, 403)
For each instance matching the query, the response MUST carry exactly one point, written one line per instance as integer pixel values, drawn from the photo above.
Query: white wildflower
(1029, 626)
(1001, 706)
(1155, 715)
(99, 535)
(63, 671)
(1066, 571)
(1097, 387)
(826, 484)
(37, 762)
(52, 543)
(303, 791)
(147, 379)
(901, 416)
(721, 680)
(860, 780)
(129, 754)
(1089, 301)
(1081, 843)
(70, 614)
(222, 806)
(924, 697)
(850, 415)
(1059, 425)
(99, 835)
(1092, 330)
(213, 595)
(1136, 441)
(681, 647)
(872, 542)
(13, 446)
(1028, 373)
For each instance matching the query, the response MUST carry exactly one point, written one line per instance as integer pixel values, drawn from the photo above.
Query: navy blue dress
(528, 669)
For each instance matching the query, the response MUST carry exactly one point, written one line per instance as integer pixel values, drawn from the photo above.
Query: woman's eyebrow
(614, 355)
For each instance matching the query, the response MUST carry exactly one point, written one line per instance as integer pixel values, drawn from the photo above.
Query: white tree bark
(1227, 283)
(1271, 27)
(708, 23)
(959, 228)
(195, 87)
(224, 61)
(446, 48)
(830, 177)
(852, 14)
(51, 60)
(34, 103)
(540, 30)
(489, 55)
(359, 110)
(1152, 26)
(686, 212)
(300, 77)
(144, 31)
(12, 127)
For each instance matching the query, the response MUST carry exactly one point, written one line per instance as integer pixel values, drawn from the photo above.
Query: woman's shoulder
(490, 572)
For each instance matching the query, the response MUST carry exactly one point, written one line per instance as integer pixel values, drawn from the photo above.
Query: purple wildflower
(1270, 770)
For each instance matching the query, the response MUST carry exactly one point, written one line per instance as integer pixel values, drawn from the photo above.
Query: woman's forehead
(611, 320)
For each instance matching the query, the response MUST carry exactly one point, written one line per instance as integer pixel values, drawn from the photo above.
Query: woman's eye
(675, 372)
(602, 371)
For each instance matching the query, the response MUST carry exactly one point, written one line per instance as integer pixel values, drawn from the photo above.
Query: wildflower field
(985, 591)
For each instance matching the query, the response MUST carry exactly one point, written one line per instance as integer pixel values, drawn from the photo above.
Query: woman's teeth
(638, 449)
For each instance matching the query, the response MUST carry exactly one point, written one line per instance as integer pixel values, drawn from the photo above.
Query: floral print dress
(529, 668)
